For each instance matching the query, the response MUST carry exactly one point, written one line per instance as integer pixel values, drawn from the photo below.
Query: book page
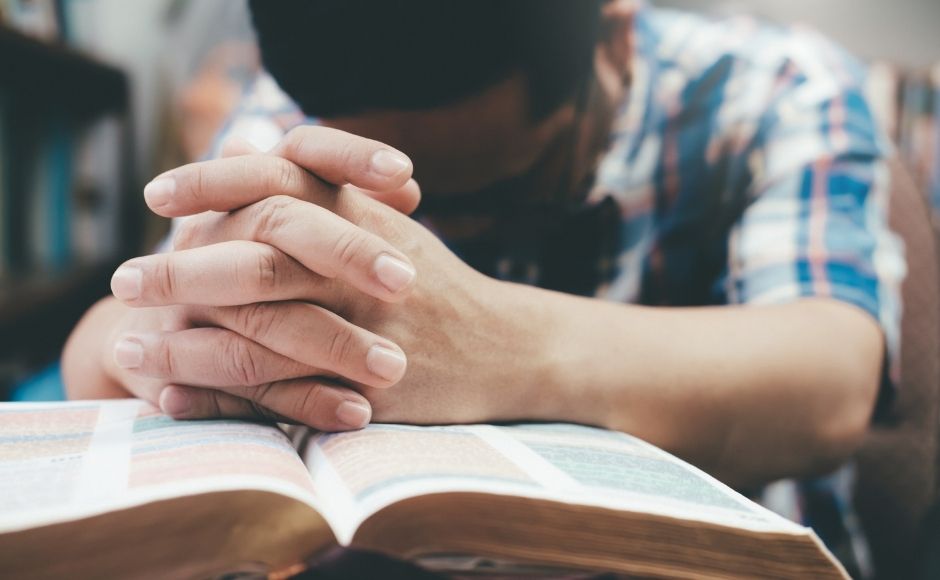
(631, 474)
(366, 470)
(61, 461)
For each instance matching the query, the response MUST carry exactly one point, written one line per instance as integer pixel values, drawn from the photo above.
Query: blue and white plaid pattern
(772, 125)
(747, 169)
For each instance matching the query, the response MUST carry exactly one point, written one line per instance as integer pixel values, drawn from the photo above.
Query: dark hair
(342, 57)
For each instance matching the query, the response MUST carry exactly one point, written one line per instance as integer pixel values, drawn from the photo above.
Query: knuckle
(193, 182)
(164, 359)
(348, 246)
(263, 413)
(348, 159)
(258, 320)
(166, 276)
(260, 402)
(341, 346)
(261, 394)
(214, 404)
(293, 142)
(269, 270)
(270, 215)
(240, 363)
(200, 182)
(284, 176)
(305, 407)
(259, 271)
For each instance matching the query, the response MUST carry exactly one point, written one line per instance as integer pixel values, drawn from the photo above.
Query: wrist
(525, 353)
(573, 369)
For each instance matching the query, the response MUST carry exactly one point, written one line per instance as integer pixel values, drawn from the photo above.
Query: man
(716, 191)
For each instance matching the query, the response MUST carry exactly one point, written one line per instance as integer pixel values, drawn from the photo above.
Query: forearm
(748, 393)
(84, 366)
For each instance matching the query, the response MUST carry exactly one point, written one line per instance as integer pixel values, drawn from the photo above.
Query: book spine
(50, 198)
(60, 13)
(60, 183)
(96, 191)
(106, 159)
(38, 200)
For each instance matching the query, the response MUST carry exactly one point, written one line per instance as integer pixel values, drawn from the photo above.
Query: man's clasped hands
(298, 289)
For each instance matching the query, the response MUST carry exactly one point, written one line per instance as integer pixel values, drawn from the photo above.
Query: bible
(116, 489)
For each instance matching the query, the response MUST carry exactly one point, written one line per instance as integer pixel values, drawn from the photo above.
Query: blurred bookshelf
(67, 217)
(39, 310)
(54, 75)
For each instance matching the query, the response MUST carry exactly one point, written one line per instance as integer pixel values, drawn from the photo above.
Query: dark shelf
(46, 74)
(38, 311)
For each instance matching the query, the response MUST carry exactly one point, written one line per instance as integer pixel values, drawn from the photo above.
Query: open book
(115, 489)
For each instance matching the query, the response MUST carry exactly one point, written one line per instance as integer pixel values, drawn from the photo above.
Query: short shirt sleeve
(816, 224)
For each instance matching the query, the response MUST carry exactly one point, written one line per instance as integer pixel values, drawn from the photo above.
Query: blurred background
(98, 96)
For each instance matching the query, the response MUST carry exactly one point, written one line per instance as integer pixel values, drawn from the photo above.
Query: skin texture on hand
(447, 309)
(147, 348)
(265, 301)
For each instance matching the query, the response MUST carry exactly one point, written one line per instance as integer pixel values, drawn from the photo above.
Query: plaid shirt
(744, 168)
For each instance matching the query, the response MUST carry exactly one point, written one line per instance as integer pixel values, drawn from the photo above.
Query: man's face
(484, 144)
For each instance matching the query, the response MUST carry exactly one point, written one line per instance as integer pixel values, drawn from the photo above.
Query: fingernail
(175, 402)
(160, 191)
(128, 353)
(393, 273)
(386, 363)
(355, 415)
(389, 163)
(126, 283)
